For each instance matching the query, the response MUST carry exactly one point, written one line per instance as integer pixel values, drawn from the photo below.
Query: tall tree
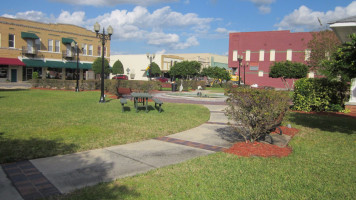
(118, 68)
(287, 69)
(322, 46)
(97, 65)
(343, 64)
(216, 73)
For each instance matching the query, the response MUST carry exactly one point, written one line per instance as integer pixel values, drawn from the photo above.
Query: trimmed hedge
(319, 95)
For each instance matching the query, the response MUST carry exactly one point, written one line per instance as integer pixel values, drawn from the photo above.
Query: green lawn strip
(38, 123)
(320, 167)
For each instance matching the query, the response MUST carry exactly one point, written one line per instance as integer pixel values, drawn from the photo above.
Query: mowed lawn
(322, 166)
(41, 123)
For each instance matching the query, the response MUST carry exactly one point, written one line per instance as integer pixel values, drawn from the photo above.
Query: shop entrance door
(13, 75)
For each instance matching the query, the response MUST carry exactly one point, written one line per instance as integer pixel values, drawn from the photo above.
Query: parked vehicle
(162, 79)
(120, 77)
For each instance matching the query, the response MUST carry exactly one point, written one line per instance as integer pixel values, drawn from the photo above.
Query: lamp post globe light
(239, 58)
(75, 46)
(103, 38)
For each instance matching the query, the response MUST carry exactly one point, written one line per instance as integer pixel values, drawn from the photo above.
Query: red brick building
(261, 49)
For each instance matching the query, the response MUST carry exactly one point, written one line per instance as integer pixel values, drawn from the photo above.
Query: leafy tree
(155, 70)
(216, 73)
(97, 65)
(343, 64)
(185, 69)
(288, 69)
(118, 68)
(322, 46)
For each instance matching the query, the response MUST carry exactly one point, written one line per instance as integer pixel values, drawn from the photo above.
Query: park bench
(159, 102)
(123, 91)
(123, 102)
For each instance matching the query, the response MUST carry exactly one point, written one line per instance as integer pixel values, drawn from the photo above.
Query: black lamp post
(239, 58)
(150, 57)
(75, 45)
(103, 38)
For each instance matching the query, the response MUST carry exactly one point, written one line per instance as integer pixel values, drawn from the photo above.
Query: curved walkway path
(44, 177)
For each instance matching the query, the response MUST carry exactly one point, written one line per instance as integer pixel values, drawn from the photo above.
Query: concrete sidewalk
(69, 172)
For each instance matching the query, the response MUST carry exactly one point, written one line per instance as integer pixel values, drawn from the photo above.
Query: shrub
(256, 112)
(319, 95)
(34, 75)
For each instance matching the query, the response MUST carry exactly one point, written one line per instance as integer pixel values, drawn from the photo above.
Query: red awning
(11, 61)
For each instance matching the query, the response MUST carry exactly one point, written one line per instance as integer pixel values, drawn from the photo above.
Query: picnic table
(141, 98)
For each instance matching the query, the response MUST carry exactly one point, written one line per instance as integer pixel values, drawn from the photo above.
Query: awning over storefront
(11, 61)
(34, 63)
(86, 66)
(29, 35)
(67, 40)
(55, 64)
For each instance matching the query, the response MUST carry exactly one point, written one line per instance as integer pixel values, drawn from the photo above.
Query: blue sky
(181, 26)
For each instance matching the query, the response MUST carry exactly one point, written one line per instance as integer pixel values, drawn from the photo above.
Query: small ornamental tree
(185, 69)
(118, 68)
(287, 69)
(343, 64)
(97, 65)
(256, 112)
(155, 70)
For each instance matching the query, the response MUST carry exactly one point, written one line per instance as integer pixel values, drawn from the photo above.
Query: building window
(69, 50)
(307, 54)
(90, 50)
(262, 55)
(57, 47)
(260, 73)
(248, 55)
(272, 55)
(289, 54)
(234, 55)
(3, 71)
(12, 40)
(99, 50)
(50, 45)
(84, 49)
(0, 39)
(105, 52)
(38, 44)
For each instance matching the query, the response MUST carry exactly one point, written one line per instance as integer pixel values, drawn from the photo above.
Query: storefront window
(3, 71)
(54, 73)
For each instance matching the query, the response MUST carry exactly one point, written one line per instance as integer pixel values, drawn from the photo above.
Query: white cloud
(114, 2)
(305, 19)
(221, 30)
(263, 5)
(163, 51)
(158, 28)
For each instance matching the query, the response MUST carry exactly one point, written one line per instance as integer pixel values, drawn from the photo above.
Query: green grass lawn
(322, 166)
(41, 123)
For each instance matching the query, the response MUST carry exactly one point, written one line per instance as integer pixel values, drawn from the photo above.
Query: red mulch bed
(262, 149)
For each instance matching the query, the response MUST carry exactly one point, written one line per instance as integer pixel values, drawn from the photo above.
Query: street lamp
(75, 46)
(150, 57)
(103, 38)
(239, 58)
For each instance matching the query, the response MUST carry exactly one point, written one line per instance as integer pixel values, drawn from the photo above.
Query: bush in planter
(256, 112)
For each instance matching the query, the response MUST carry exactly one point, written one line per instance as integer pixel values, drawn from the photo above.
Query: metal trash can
(174, 87)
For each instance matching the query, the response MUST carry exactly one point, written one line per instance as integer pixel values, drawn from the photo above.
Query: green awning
(55, 64)
(85, 66)
(67, 40)
(72, 65)
(34, 63)
(29, 35)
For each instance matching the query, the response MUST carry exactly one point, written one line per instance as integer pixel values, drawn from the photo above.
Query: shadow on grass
(13, 90)
(325, 123)
(12, 150)
(101, 191)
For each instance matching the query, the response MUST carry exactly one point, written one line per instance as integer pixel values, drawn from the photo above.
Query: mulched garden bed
(262, 149)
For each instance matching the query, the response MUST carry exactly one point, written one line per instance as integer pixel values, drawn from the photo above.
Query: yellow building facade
(27, 47)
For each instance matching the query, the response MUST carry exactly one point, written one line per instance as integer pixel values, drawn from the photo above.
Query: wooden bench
(123, 102)
(159, 102)
(123, 91)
